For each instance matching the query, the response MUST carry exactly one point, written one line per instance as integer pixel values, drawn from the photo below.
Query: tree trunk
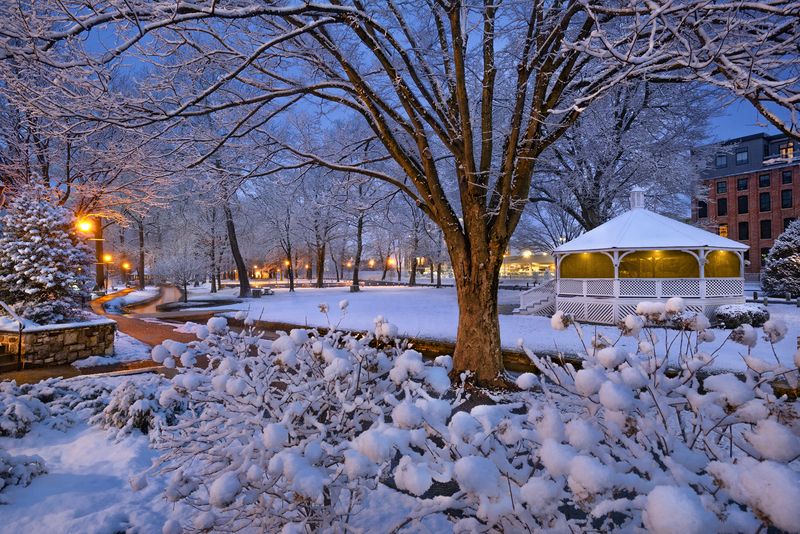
(359, 249)
(430, 266)
(321, 264)
(439, 274)
(241, 268)
(213, 249)
(478, 337)
(412, 278)
(185, 292)
(99, 273)
(385, 269)
(290, 270)
(140, 266)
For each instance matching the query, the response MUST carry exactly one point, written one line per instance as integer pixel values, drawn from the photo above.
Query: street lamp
(107, 259)
(84, 226)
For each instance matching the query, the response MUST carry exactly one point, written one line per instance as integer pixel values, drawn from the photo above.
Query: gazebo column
(615, 261)
(701, 261)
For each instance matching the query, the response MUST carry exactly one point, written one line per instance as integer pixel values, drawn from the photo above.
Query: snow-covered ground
(126, 349)
(433, 314)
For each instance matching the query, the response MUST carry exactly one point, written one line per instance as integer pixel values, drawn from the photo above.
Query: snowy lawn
(433, 314)
(126, 349)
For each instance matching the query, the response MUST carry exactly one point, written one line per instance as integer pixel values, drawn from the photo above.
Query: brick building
(753, 192)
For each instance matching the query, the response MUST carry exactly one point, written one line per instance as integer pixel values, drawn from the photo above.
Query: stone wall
(62, 344)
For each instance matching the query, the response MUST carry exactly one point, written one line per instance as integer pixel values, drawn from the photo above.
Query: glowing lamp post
(107, 259)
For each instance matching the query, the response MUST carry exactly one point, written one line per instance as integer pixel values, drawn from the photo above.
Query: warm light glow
(126, 265)
(107, 258)
(527, 253)
(371, 263)
(307, 266)
(84, 225)
(422, 261)
(392, 262)
(255, 266)
(286, 262)
(349, 264)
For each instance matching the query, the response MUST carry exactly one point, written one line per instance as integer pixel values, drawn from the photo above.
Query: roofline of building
(794, 163)
(751, 137)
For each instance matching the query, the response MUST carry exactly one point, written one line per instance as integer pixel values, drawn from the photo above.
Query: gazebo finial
(637, 198)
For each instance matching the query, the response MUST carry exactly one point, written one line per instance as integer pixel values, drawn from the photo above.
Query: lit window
(786, 150)
(723, 230)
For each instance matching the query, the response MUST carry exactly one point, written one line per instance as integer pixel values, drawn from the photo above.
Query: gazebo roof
(641, 229)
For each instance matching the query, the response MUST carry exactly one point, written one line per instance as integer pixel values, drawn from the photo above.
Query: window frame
(739, 210)
(785, 175)
(764, 207)
(760, 184)
(746, 226)
(784, 205)
(717, 160)
(762, 226)
(722, 207)
(722, 186)
(745, 181)
(746, 152)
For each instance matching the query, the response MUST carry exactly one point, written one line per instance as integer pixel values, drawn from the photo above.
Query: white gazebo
(602, 275)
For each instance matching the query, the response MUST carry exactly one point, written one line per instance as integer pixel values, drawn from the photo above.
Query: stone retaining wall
(61, 344)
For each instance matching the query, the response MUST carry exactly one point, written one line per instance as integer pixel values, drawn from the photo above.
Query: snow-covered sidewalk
(432, 313)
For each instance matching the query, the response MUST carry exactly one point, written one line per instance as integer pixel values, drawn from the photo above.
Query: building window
(744, 231)
(786, 150)
(741, 204)
(763, 180)
(721, 161)
(723, 230)
(742, 156)
(722, 187)
(786, 178)
(722, 207)
(702, 209)
(747, 257)
(787, 221)
(766, 229)
(741, 184)
(763, 202)
(786, 198)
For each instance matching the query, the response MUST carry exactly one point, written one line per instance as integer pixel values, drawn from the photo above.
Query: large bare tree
(463, 97)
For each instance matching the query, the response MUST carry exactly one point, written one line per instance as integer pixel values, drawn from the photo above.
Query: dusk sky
(738, 119)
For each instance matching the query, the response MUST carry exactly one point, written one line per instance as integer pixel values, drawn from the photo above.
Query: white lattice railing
(651, 287)
(537, 294)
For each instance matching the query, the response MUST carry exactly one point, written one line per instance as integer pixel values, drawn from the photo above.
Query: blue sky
(738, 119)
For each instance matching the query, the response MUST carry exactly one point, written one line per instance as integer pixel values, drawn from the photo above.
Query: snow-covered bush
(43, 264)
(782, 266)
(295, 435)
(58, 403)
(734, 315)
(140, 405)
(289, 433)
(18, 470)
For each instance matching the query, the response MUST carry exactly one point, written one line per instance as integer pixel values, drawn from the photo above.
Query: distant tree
(181, 267)
(782, 269)
(43, 265)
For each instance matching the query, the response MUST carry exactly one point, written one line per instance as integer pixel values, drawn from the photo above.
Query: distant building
(753, 192)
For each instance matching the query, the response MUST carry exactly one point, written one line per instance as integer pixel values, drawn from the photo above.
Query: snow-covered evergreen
(782, 269)
(43, 264)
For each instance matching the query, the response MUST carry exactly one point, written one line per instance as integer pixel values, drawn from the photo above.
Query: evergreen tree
(42, 262)
(782, 268)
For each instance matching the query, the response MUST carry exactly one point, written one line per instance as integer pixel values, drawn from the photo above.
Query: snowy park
(397, 267)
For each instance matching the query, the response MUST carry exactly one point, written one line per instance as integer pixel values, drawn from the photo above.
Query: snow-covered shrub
(43, 264)
(18, 470)
(782, 266)
(287, 434)
(733, 315)
(296, 433)
(55, 402)
(141, 405)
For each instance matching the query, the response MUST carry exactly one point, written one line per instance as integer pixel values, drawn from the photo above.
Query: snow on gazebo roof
(641, 229)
